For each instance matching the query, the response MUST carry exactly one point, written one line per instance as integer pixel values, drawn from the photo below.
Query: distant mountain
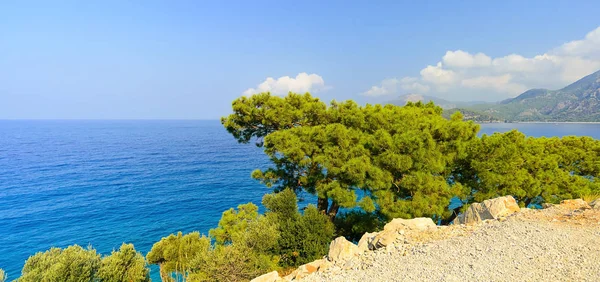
(445, 104)
(579, 101)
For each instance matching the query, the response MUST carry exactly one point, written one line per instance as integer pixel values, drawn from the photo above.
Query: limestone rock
(272, 276)
(384, 238)
(306, 269)
(365, 241)
(490, 209)
(575, 204)
(418, 224)
(341, 249)
(395, 230)
(595, 204)
(547, 205)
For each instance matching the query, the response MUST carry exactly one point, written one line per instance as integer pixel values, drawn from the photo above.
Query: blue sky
(190, 59)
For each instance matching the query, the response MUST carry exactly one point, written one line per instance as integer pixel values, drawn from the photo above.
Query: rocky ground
(559, 243)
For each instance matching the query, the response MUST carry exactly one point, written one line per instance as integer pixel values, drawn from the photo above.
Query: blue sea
(101, 183)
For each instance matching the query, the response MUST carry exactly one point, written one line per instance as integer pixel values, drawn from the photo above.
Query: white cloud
(392, 86)
(302, 83)
(461, 75)
(462, 59)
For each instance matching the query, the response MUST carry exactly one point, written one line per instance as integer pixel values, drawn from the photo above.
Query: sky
(190, 59)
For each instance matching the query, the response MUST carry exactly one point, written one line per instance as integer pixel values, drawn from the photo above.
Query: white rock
(272, 276)
(341, 249)
(490, 209)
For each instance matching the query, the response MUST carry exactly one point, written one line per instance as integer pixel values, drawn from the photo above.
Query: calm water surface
(102, 183)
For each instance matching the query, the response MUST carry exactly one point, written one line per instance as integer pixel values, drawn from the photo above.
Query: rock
(365, 241)
(525, 210)
(341, 249)
(384, 238)
(272, 276)
(419, 224)
(490, 209)
(306, 269)
(396, 229)
(595, 204)
(547, 205)
(574, 204)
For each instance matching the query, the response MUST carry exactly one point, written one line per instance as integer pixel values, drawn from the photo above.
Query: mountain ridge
(576, 102)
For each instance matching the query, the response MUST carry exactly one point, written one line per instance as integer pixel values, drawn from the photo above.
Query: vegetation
(365, 165)
(577, 102)
(78, 264)
(3, 276)
(399, 158)
(246, 244)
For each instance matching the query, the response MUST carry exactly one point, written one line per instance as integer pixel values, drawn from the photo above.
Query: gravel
(520, 248)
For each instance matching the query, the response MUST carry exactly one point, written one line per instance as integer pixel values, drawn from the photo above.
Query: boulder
(490, 209)
(341, 249)
(397, 228)
(418, 224)
(272, 276)
(306, 269)
(365, 241)
(595, 204)
(574, 204)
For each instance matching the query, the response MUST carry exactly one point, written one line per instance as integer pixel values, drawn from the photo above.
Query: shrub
(353, 224)
(71, 264)
(124, 265)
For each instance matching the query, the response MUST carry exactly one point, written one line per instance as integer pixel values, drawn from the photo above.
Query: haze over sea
(101, 183)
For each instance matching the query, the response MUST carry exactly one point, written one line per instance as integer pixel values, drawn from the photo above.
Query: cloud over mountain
(461, 75)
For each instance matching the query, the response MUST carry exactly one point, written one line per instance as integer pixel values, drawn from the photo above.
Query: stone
(395, 230)
(272, 276)
(595, 204)
(384, 238)
(341, 249)
(574, 204)
(418, 224)
(547, 205)
(490, 209)
(365, 241)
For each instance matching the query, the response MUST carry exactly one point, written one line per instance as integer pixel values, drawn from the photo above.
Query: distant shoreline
(566, 122)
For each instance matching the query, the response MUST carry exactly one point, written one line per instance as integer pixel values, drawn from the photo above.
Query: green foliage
(353, 224)
(402, 156)
(78, 264)
(174, 253)
(234, 222)
(231, 263)
(71, 264)
(124, 265)
(303, 237)
(244, 243)
(533, 170)
(3, 276)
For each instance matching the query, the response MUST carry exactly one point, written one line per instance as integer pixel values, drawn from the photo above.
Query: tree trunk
(452, 216)
(527, 202)
(333, 210)
(322, 205)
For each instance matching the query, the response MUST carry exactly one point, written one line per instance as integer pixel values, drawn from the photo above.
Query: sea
(101, 183)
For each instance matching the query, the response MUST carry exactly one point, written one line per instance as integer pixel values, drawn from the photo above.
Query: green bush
(78, 264)
(303, 237)
(124, 265)
(353, 224)
(3, 276)
(174, 254)
(72, 264)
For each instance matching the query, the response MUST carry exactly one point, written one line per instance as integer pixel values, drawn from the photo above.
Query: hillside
(578, 102)
(445, 104)
(559, 243)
